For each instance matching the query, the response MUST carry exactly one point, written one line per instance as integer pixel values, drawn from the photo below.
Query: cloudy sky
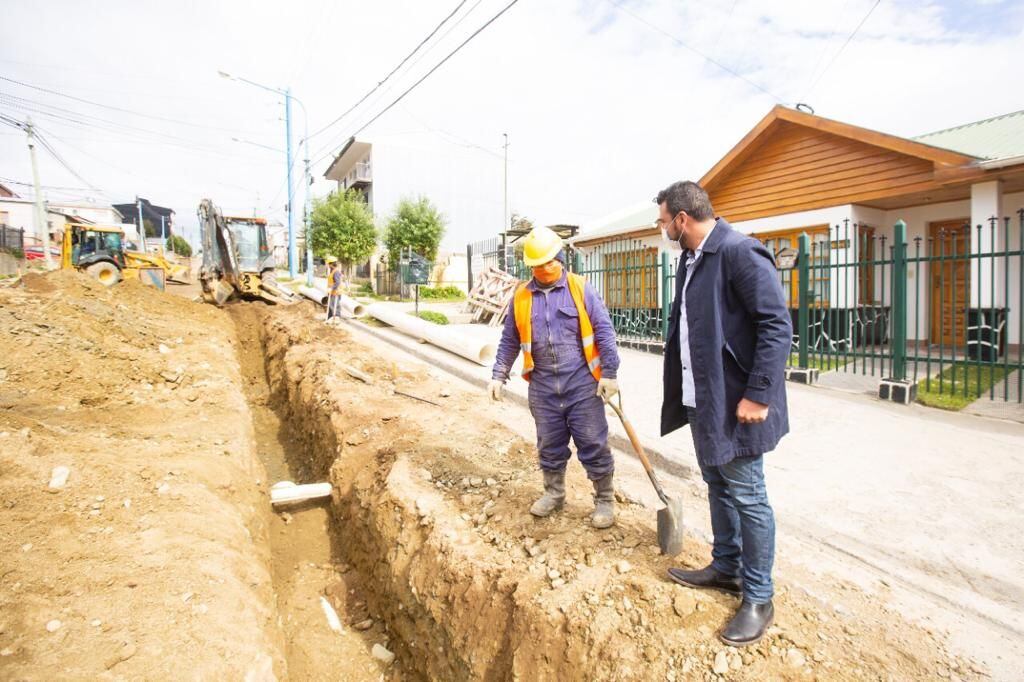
(604, 101)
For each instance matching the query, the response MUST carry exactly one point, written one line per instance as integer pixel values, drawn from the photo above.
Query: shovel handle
(638, 448)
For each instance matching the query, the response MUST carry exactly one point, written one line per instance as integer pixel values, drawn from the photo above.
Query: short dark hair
(686, 196)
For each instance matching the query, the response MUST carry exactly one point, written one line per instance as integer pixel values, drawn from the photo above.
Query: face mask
(669, 243)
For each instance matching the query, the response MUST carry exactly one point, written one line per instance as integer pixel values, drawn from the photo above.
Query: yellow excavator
(236, 258)
(98, 250)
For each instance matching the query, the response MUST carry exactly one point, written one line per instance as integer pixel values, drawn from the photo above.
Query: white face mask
(670, 244)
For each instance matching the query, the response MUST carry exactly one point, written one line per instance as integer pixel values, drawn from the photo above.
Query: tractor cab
(96, 249)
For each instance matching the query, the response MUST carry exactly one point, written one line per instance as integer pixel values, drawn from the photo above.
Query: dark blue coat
(740, 339)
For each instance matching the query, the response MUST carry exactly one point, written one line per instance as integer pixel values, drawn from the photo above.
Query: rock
(59, 477)
(364, 624)
(96, 622)
(554, 573)
(476, 482)
(164, 350)
(623, 566)
(445, 393)
(736, 663)
(721, 664)
(557, 582)
(795, 658)
(533, 550)
(684, 604)
(53, 625)
(6, 651)
(382, 654)
(651, 654)
(126, 651)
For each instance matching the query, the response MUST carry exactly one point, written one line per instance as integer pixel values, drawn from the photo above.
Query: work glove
(607, 388)
(494, 390)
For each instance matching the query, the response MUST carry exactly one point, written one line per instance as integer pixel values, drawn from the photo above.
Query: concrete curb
(659, 459)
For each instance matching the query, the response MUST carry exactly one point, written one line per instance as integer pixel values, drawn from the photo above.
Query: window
(777, 240)
(631, 279)
(866, 270)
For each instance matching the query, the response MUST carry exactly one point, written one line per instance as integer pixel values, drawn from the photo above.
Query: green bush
(436, 293)
(431, 316)
(178, 245)
(365, 289)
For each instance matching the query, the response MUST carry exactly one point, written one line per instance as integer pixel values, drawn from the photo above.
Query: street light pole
(42, 229)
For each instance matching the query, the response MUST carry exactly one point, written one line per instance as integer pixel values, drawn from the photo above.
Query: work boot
(553, 498)
(707, 578)
(604, 503)
(749, 624)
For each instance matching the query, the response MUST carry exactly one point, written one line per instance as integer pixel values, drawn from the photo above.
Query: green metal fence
(942, 309)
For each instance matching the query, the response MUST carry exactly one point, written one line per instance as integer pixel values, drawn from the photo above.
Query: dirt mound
(150, 561)
(431, 507)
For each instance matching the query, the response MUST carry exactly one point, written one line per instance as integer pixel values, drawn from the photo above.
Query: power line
(428, 73)
(385, 80)
(697, 52)
(36, 133)
(113, 108)
(841, 48)
(465, 15)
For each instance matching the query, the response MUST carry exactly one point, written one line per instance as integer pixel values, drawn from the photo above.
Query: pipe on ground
(314, 294)
(479, 352)
(352, 307)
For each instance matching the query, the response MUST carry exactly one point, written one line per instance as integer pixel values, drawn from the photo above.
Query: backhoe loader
(236, 258)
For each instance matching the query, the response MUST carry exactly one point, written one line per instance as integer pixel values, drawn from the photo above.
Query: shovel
(670, 518)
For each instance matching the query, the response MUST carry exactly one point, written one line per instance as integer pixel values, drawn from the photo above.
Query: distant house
(846, 187)
(18, 213)
(154, 218)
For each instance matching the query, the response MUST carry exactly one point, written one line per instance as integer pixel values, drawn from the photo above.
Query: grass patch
(952, 396)
(448, 293)
(818, 362)
(431, 316)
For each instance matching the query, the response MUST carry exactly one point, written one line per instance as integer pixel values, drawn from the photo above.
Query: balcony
(359, 176)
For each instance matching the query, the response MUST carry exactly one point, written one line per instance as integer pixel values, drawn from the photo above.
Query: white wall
(465, 186)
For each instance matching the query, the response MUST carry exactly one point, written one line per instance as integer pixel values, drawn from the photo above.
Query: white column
(986, 203)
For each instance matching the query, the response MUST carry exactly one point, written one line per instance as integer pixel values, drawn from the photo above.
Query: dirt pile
(430, 507)
(150, 561)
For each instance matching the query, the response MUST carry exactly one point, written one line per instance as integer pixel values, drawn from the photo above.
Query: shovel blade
(670, 527)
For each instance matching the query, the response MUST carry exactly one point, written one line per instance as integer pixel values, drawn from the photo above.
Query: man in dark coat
(729, 338)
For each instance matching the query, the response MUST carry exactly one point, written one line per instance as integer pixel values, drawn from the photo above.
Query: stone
(491, 482)
(795, 658)
(6, 651)
(383, 655)
(364, 624)
(59, 477)
(554, 573)
(164, 350)
(53, 625)
(651, 654)
(684, 604)
(96, 622)
(623, 566)
(557, 582)
(721, 664)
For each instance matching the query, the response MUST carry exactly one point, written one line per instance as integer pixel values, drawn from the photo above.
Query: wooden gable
(794, 161)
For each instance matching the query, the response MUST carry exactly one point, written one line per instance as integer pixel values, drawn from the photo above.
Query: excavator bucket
(221, 292)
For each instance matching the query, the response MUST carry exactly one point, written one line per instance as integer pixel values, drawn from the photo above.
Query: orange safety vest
(522, 306)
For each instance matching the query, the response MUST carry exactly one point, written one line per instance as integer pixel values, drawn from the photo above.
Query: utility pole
(142, 226)
(40, 212)
(309, 224)
(163, 234)
(293, 266)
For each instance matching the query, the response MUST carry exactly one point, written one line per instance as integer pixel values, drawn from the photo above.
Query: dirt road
(160, 558)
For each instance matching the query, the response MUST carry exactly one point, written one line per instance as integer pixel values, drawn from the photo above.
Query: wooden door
(777, 240)
(950, 267)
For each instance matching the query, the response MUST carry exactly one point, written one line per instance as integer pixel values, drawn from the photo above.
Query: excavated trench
(428, 511)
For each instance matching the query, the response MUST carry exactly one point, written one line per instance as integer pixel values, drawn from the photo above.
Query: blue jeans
(743, 524)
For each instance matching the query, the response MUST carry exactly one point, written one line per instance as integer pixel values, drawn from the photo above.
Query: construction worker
(334, 288)
(570, 359)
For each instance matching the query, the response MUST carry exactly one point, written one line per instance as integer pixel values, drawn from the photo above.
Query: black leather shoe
(707, 578)
(749, 624)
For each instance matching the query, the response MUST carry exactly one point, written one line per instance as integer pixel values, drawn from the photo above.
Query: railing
(12, 240)
(498, 252)
(942, 310)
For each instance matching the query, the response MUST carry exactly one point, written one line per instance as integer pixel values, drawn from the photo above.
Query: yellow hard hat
(540, 246)
(330, 259)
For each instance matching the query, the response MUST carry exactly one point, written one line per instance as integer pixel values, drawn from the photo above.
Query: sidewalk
(920, 500)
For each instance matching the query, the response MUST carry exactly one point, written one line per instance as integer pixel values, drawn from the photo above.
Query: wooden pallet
(492, 293)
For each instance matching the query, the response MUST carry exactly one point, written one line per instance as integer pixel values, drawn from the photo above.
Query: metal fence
(498, 252)
(12, 240)
(942, 310)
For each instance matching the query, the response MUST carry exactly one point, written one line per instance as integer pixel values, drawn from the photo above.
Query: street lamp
(288, 97)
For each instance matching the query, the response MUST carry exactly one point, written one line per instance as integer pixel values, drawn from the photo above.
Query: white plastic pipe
(480, 352)
(314, 294)
(352, 307)
(286, 492)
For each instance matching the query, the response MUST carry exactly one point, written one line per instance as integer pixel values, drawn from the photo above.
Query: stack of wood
(492, 292)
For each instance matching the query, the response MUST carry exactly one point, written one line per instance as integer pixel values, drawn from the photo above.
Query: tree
(342, 226)
(416, 224)
(521, 222)
(179, 246)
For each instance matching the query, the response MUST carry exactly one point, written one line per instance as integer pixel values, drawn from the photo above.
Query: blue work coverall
(563, 393)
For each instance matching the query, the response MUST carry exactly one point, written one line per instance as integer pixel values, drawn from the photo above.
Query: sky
(604, 101)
